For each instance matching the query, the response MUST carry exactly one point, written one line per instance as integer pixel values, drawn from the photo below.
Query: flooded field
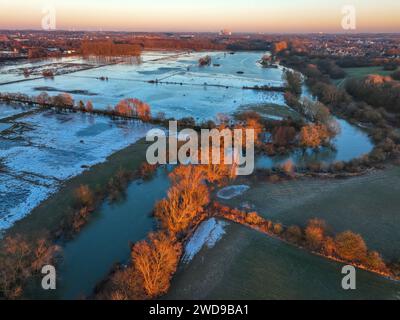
(184, 89)
(15, 72)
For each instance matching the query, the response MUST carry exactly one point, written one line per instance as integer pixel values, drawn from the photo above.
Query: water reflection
(351, 143)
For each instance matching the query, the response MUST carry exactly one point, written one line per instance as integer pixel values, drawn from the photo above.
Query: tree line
(346, 247)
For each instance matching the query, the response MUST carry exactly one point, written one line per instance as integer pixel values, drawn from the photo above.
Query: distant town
(43, 44)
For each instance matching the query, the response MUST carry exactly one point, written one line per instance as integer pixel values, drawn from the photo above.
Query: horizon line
(207, 32)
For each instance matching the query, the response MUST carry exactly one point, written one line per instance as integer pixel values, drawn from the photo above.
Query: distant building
(225, 32)
(187, 36)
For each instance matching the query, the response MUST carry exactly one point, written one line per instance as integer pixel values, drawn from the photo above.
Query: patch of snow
(18, 198)
(232, 191)
(207, 234)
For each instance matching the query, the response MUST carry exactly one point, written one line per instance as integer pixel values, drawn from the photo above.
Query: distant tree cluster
(279, 46)
(196, 44)
(378, 91)
(134, 108)
(329, 67)
(108, 48)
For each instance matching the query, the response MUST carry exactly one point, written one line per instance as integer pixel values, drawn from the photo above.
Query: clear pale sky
(203, 15)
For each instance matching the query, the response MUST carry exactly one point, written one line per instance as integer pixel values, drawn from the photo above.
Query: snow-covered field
(207, 234)
(44, 149)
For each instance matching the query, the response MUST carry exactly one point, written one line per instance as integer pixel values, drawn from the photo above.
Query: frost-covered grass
(207, 234)
(18, 197)
(47, 148)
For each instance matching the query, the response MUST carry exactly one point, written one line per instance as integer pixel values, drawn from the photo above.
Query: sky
(267, 16)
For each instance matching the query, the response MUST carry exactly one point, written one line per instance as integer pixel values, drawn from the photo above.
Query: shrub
(253, 218)
(351, 246)
(294, 234)
(277, 228)
(84, 196)
(48, 74)
(329, 246)
(288, 167)
(315, 233)
(205, 61)
(374, 261)
(147, 170)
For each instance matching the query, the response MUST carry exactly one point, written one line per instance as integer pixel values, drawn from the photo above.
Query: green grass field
(361, 72)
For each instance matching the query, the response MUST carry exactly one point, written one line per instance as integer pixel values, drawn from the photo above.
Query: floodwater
(89, 257)
(184, 89)
(349, 144)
